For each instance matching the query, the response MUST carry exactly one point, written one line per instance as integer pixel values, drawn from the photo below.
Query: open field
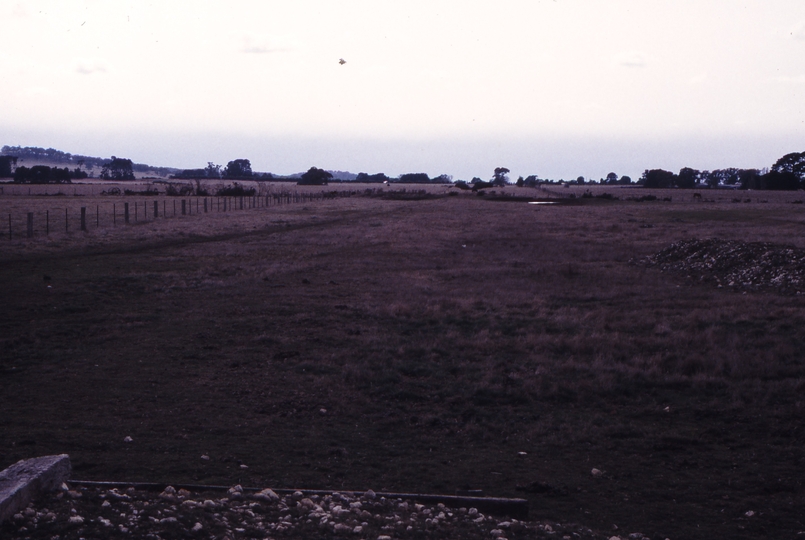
(421, 345)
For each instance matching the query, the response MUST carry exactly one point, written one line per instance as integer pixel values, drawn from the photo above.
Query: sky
(555, 88)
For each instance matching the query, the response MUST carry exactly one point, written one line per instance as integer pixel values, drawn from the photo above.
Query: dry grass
(442, 336)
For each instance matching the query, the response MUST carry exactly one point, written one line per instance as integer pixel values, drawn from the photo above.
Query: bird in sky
(342, 61)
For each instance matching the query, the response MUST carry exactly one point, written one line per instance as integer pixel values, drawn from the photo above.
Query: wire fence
(36, 218)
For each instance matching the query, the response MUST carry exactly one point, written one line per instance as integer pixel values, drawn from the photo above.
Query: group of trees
(787, 173)
(42, 174)
(86, 163)
(239, 169)
(118, 169)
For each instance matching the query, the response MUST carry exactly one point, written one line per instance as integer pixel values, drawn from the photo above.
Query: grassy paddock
(421, 345)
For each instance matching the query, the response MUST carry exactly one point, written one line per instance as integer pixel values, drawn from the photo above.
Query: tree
(41, 174)
(749, 178)
(687, 177)
(414, 178)
(212, 170)
(366, 178)
(315, 177)
(612, 178)
(7, 164)
(625, 180)
(580, 180)
(118, 169)
(500, 179)
(239, 168)
(780, 180)
(791, 163)
(657, 178)
(520, 182)
(531, 181)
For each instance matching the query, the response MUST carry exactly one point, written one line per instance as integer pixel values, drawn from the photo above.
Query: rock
(75, 520)
(205, 457)
(127, 439)
(369, 494)
(596, 472)
(267, 495)
(197, 527)
(28, 478)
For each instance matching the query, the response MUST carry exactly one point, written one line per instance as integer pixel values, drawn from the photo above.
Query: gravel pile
(738, 265)
(92, 512)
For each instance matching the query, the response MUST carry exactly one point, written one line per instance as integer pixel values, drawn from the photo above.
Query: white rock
(106, 504)
(596, 472)
(205, 457)
(358, 529)
(128, 439)
(496, 532)
(105, 522)
(471, 512)
(267, 495)
(244, 466)
(369, 494)
(749, 513)
(75, 520)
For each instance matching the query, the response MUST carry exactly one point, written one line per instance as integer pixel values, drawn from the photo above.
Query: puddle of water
(541, 202)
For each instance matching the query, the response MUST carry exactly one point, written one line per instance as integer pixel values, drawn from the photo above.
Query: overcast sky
(557, 88)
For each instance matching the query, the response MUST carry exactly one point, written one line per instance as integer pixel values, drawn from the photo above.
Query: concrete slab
(28, 478)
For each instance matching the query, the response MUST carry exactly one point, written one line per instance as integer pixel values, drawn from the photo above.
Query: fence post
(174, 207)
(126, 212)
(205, 205)
(241, 203)
(97, 216)
(30, 225)
(9, 226)
(83, 218)
(114, 214)
(184, 210)
(47, 222)
(156, 209)
(135, 211)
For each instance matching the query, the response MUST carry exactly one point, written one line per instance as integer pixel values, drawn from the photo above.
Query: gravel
(740, 266)
(95, 512)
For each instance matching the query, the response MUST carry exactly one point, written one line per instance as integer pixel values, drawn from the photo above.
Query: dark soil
(420, 346)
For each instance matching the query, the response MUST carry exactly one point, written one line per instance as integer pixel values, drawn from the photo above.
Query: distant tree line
(88, 163)
(787, 173)
(42, 174)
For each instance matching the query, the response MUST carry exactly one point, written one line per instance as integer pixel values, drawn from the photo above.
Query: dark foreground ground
(423, 346)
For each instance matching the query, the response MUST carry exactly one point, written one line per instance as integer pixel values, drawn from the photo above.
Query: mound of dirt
(735, 264)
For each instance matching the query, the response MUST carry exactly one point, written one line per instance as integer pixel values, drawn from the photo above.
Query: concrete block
(28, 478)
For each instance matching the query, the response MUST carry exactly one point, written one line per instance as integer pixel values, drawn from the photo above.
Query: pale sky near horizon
(557, 88)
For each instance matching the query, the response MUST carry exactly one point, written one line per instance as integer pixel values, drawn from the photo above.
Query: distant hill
(32, 155)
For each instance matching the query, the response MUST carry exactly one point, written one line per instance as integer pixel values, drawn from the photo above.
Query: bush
(235, 190)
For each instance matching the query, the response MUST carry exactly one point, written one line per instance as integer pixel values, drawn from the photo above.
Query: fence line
(222, 205)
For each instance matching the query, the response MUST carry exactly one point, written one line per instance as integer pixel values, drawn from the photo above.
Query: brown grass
(442, 336)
